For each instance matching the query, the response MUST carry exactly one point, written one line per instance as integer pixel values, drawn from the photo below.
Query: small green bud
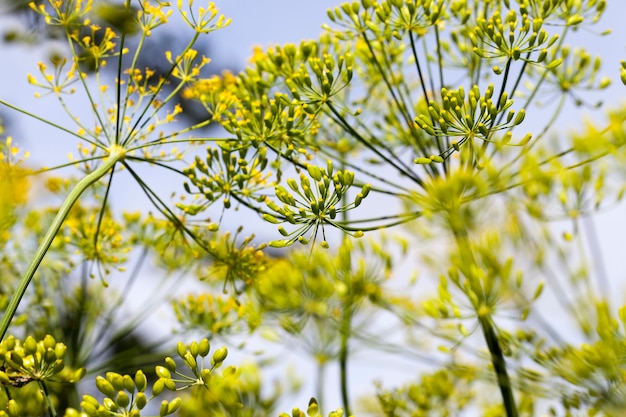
(174, 405)
(181, 349)
(190, 361)
(555, 63)
(271, 219)
(129, 383)
(4, 378)
(49, 356)
(141, 381)
(59, 350)
(89, 409)
(279, 243)
(365, 190)
(141, 400)
(158, 386)
(219, 356)
(170, 364)
(526, 139)
(105, 386)
(163, 372)
(49, 342)
(15, 359)
(313, 410)
(293, 184)
(116, 380)
(12, 408)
(204, 347)
(122, 400)
(314, 172)
(358, 199)
(30, 346)
(574, 20)
(163, 409)
(193, 348)
(422, 160)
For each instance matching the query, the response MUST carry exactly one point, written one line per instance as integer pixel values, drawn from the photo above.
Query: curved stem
(115, 156)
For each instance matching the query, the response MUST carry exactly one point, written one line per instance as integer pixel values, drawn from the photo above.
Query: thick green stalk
(487, 326)
(115, 155)
(499, 366)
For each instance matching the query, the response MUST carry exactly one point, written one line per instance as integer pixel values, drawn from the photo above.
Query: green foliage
(434, 115)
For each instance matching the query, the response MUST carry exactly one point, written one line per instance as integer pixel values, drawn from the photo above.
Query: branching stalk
(115, 156)
(487, 326)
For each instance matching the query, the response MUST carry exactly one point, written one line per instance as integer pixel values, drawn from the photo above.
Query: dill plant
(416, 112)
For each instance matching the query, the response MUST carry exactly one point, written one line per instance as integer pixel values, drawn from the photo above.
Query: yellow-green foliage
(434, 118)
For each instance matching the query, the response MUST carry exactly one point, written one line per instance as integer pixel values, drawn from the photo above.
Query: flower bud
(14, 359)
(105, 386)
(163, 409)
(279, 243)
(4, 378)
(314, 172)
(59, 350)
(12, 408)
(170, 364)
(49, 342)
(219, 356)
(122, 400)
(422, 160)
(163, 372)
(110, 405)
(30, 346)
(190, 361)
(141, 400)
(141, 382)
(181, 349)
(116, 380)
(49, 356)
(158, 386)
(129, 383)
(193, 348)
(174, 405)
(204, 347)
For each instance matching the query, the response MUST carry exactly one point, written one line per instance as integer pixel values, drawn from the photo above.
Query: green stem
(319, 390)
(346, 320)
(487, 326)
(44, 390)
(114, 156)
(346, 325)
(499, 366)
